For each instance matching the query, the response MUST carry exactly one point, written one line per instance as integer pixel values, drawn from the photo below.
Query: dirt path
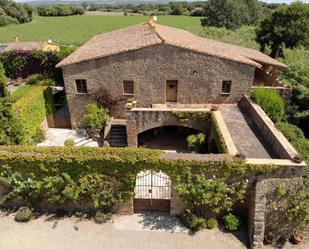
(125, 232)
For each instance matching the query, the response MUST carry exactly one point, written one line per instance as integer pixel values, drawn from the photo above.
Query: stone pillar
(257, 210)
(177, 206)
(132, 137)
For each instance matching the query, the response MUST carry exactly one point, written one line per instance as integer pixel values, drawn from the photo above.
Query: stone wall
(139, 120)
(257, 216)
(199, 78)
(178, 206)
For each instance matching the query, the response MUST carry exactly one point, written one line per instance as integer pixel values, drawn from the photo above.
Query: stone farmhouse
(163, 78)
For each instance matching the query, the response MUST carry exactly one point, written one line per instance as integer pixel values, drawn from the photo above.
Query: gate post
(177, 206)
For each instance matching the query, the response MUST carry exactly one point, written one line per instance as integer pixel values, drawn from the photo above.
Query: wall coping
(232, 150)
(276, 162)
(169, 109)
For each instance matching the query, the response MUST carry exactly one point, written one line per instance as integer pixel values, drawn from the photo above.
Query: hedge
(31, 111)
(38, 162)
(220, 142)
(271, 103)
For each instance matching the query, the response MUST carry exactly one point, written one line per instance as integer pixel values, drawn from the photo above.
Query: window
(81, 86)
(226, 86)
(128, 87)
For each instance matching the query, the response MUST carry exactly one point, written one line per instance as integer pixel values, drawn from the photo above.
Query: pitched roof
(22, 46)
(141, 36)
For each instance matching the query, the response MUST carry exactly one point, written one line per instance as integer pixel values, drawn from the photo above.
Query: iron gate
(152, 192)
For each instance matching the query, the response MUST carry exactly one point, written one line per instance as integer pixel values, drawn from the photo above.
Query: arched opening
(171, 138)
(152, 192)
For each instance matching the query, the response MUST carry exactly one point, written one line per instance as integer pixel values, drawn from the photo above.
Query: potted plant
(296, 238)
(269, 238)
(95, 119)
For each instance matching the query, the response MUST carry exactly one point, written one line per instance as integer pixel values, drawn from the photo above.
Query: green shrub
(196, 143)
(69, 142)
(231, 222)
(204, 195)
(34, 79)
(96, 117)
(31, 111)
(23, 215)
(101, 217)
(21, 92)
(297, 138)
(9, 125)
(270, 101)
(193, 222)
(211, 223)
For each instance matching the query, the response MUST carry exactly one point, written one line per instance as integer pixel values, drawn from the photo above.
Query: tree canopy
(11, 12)
(287, 26)
(231, 14)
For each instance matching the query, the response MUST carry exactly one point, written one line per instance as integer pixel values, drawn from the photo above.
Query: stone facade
(199, 78)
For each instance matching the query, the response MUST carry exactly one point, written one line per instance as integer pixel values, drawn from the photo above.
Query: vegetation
(104, 98)
(297, 75)
(31, 110)
(211, 223)
(289, 207)
(21, 92)
(80, 29)
(23, 215)
(9, 126)
(25, 63)
(206, 196)
(14, 13)
(34, 79)
(231, 14)
(296, 137)
(197, 143)
(69, 142)
(60, 10)
(101, 217)
(270, 101)
(287, 26)
(231, 222)
(220, 142)
(96, 117)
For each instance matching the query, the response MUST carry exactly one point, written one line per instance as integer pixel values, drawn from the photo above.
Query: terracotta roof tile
(140, 36)
(22, 46)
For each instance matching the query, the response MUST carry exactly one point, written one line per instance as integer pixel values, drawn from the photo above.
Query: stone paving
(246, 138)
(56, 137)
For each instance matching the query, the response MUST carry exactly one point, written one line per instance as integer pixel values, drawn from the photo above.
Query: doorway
(171, 90)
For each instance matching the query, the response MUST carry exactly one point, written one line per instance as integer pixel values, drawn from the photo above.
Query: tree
(9, 128)
(231, 14)
(287, 26)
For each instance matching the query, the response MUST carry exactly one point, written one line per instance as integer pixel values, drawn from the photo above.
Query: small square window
(128, 87)
(81, 86)
(226, 86)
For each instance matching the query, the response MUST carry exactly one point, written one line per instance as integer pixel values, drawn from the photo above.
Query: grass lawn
(77, 30)
(22, 91)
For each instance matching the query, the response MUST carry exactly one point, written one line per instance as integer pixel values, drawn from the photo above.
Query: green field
(77, 30)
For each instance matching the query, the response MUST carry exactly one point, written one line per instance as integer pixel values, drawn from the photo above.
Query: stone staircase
(118, 136)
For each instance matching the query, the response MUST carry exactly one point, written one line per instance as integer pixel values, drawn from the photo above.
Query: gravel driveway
(124, 232)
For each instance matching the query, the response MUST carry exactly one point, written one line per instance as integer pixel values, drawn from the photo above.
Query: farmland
(76, 30)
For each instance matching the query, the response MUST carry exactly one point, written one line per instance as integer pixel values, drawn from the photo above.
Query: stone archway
(140, 120)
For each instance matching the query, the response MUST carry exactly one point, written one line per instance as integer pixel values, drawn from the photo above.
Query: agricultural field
(76, 30)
